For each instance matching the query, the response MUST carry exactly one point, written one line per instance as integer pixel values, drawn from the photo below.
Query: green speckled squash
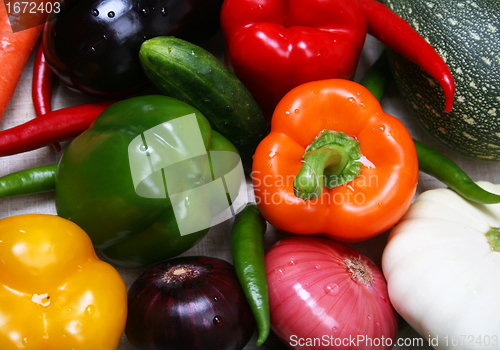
(467, 35)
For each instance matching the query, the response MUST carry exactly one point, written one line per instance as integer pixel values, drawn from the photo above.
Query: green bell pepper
(132, 183)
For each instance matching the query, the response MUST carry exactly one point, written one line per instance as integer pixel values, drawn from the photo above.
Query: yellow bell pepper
(55, 293)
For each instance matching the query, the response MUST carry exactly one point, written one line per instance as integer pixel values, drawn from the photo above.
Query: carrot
(15, 50)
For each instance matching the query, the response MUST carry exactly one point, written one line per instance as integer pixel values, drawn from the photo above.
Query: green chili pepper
(247, 247)
(378, 77)
(29, 181)
(430, 161)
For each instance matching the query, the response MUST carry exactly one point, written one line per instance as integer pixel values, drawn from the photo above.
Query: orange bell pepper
(334, 163)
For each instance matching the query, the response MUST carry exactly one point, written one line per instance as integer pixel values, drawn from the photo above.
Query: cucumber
(466, 33)
(189, 73)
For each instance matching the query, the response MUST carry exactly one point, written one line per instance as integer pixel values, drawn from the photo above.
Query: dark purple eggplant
(189, 303)
(93, 46)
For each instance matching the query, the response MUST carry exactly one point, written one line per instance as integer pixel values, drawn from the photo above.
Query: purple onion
(189, 303)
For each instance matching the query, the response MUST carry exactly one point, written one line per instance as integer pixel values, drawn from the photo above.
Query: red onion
(189, 303)
(326, 295)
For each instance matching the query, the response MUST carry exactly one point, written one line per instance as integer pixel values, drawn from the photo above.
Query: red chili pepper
(398, 35)
(41, 87)
(55, 126)
(276, 45)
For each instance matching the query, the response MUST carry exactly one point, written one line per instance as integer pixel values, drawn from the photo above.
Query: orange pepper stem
(309, 182)
(331, 160)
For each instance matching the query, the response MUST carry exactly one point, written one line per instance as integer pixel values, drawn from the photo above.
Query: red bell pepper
(276, 45)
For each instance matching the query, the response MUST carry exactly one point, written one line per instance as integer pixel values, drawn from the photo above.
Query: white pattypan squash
(442, 265)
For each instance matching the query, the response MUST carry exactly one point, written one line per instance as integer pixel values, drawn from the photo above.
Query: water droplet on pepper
(217, 321)
(90, 310)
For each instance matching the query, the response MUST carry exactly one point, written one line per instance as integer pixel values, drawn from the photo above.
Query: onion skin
(204, 308)
(313, 295)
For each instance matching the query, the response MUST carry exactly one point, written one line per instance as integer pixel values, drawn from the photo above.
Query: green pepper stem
(493, 236)
(309, 182)
(332, 159)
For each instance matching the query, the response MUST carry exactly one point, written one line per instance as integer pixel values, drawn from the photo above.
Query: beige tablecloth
(217, 241)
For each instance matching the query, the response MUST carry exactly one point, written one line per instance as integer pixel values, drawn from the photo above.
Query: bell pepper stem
(309, 182)
(493, 236)
(332, 159)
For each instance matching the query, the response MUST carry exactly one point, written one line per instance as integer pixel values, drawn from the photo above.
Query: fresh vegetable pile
(216, 176)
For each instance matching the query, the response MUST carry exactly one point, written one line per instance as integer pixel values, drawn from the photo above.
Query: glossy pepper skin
(276, 45)
(60, 125)
(41, 87)
(356, 210)
(28, 181)
(42, 84)
(247, 248)
(95, 186)
(56, 294)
